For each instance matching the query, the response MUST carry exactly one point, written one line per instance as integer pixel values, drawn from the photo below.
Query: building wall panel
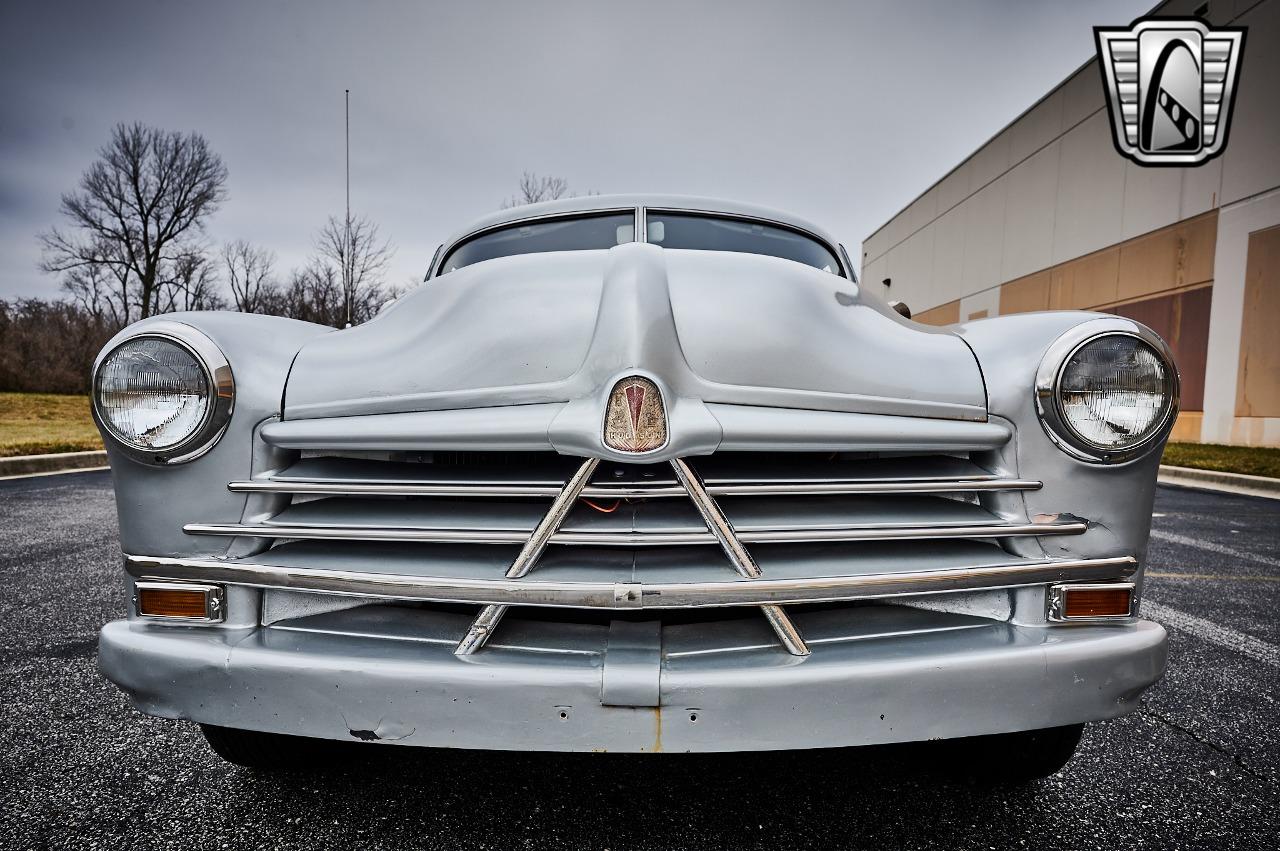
(953, 189)
(948, 254)
(991, 161)
(980, 305)
(1025, 294)
(1182, 319)
(983, 216)
(1040, 126)
(1201, 188)
(1169, 258)
(914, 264)
(1086, 282)
(943, 314)
(1028, 220)
(1082, 96)
(1152, 199)
(1252, 158)
(1089, 206)
(1258, 388)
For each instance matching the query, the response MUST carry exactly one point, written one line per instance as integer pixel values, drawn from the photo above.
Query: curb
(58, 462)
(1214, 480)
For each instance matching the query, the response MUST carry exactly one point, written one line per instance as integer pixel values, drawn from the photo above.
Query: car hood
(714, 326)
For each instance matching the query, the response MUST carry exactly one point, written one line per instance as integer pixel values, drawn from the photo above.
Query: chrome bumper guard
(629, 595)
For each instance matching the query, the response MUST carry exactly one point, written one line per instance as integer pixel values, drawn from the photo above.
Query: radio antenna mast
(348, 263)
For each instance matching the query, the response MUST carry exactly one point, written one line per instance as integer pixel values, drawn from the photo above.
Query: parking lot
(1197, 767)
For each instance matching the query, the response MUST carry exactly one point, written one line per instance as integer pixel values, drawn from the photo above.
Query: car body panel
(988, 678)
(712, 326)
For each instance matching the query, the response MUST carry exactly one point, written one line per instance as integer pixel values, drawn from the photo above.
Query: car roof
(592, 203)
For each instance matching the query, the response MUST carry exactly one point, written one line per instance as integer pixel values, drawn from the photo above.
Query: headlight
(165, 395)
(1107, 395)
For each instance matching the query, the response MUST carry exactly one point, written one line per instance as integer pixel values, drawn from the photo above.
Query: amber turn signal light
(1090, 602)
(175, 601)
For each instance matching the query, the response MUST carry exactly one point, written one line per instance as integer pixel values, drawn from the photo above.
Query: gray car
(636, 473)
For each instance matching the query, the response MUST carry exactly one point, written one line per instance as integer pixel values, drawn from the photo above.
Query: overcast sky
(841, 112)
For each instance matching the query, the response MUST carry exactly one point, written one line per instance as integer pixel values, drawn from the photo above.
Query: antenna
(348, 265)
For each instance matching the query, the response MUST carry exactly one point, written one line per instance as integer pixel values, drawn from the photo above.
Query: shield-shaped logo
(1169, 84)
(635, 420)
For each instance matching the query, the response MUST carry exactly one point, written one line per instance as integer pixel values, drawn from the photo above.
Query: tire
(1016, 758)
(269, 751)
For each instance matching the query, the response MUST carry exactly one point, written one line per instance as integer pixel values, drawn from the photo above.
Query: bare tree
(135, 212)
(535, 188)
(248, 274)
(192, 284)
(360, 255)
(101, 291)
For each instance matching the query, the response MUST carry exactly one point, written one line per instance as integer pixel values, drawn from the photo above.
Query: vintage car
(636, 473)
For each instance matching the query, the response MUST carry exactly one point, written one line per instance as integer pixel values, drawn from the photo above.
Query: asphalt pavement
(1198, 766)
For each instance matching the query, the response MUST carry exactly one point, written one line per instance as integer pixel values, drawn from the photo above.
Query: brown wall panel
(1026, 294)
(1182, 320)
(943, 314)
(1087, 281)
(1186, 428)
(1258, 383)
(1172, 257)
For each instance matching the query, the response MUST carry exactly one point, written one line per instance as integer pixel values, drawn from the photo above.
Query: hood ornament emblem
(635, 419)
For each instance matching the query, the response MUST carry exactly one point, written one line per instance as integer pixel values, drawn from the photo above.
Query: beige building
(1048, 216)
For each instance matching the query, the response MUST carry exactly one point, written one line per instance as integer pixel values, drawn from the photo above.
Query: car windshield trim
(567, 218)
(836, 267)
(640, 233)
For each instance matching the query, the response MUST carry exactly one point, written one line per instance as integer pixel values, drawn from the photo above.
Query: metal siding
(1258, 389)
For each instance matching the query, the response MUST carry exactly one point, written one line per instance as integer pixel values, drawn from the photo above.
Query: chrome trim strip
(485, 623)
(722, 529)
(515, 489)
(633, 539)
(1056, 601)
(631, 595)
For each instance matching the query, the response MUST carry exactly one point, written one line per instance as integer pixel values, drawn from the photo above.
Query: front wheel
(268, 751)
(1020, 757)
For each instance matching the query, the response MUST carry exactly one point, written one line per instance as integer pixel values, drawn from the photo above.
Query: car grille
(540, 529)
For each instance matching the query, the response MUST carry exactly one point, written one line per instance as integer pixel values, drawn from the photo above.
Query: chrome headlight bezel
(218, 378)
(1049, 398)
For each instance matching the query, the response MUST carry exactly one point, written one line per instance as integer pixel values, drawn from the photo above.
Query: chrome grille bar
(825, 518)
(296, 532)
(485, 623)
(742, 561)
(619, 491)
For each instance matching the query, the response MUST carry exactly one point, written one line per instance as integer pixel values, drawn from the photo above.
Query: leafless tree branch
(535, 188)
(352, 245)
(136, 205)
(249, 270)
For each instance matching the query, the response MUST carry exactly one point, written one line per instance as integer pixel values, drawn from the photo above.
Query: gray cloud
(841, 112)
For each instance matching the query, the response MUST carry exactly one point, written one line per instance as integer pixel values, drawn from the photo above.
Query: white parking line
(1254, 648)
(1209, 546)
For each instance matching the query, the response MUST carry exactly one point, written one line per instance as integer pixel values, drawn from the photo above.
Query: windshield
(714, 233)
(576, 234)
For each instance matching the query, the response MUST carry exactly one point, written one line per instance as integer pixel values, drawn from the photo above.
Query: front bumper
(993, 677)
